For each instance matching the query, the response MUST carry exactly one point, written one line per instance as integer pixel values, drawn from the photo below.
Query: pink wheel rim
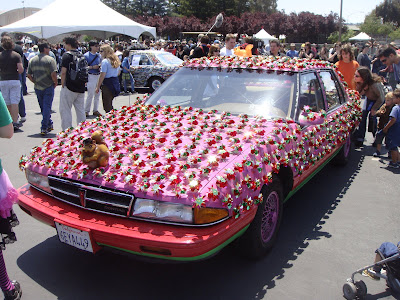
(270, 216)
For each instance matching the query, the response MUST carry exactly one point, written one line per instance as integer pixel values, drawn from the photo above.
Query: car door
(141, 67)
(310, 148)
(335, 99)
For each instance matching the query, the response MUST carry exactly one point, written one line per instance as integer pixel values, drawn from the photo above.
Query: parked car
(150, 68)
(209, 158)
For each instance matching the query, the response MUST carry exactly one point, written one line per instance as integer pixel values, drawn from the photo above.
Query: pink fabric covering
(8, 195)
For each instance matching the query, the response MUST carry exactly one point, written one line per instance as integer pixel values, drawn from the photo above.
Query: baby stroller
(353, 289)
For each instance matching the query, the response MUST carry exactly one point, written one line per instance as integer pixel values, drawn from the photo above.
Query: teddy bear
(95, 151)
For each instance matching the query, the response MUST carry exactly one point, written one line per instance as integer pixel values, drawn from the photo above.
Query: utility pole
(340, 21)
(23, 7)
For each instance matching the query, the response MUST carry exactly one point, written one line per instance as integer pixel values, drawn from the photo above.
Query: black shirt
(200, 51)
(76, 86)
(8, 65)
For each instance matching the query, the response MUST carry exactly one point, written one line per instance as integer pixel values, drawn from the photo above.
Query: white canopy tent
(264, 36)
(362, 36)
(90, 17)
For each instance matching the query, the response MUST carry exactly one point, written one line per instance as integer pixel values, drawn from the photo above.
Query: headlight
(38, 180)
(172, 212)
(179, 213)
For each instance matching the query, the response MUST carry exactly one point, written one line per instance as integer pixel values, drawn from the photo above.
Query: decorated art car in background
(150, 68)
(209, 158)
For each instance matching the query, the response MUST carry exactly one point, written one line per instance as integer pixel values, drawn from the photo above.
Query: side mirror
(308, 117)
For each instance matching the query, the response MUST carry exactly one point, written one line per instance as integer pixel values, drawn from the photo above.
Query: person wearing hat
(93, 59)
(363, 58)
(292, 52)
(35, 51)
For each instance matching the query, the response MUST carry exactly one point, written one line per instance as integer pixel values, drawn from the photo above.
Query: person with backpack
(74, 75)
(108, 81)
(94, 61)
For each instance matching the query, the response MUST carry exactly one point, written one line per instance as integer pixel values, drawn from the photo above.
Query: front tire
(342, 158)
(155, 83)
(261, 234)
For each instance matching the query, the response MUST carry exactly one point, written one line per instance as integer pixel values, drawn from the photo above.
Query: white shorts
(11, 91)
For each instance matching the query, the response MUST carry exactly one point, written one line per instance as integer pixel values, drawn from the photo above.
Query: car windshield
(239, 91)
(167, 58)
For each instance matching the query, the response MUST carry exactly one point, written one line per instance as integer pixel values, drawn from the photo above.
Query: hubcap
(270, 216)
(156, 84)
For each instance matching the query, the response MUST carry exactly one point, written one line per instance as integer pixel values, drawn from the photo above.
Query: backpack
(81, 70)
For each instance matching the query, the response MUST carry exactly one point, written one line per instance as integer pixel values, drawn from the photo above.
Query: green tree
(374, 25)
(395, 35)
(346, 35)
(266, 6)
(139, 7)
(389, 11)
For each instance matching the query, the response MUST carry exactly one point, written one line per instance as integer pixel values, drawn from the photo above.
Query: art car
(207, 159)
(150, 68)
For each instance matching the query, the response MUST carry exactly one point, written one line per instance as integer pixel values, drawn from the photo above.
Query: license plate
(75, 237)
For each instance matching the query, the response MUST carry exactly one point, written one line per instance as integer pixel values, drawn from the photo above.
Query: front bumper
(180, 242)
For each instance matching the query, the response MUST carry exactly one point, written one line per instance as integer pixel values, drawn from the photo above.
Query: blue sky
(354, 11)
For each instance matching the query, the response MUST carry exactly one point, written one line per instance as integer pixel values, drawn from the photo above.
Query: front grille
(91, 197)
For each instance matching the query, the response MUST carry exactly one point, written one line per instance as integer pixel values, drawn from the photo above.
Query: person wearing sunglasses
(389, 57)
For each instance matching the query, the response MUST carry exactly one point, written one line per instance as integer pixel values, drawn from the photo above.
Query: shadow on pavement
(38, 135)
(69, 273)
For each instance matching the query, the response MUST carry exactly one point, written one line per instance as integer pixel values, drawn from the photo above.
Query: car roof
(155, 52)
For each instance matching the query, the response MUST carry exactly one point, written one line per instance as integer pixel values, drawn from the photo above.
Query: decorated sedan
(209, 158)
(151, 68)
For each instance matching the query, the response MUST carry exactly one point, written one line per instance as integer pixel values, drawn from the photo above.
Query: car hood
(175, 154)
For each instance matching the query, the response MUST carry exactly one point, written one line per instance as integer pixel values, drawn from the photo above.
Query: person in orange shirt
(347, 65)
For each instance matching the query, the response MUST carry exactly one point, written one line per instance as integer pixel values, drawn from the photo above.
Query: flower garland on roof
(258, 62)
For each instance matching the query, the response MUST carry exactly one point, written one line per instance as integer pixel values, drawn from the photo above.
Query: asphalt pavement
(330, 228)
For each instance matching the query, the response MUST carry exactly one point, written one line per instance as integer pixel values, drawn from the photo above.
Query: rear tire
(260, 237)
(361, 289)
(342, 158)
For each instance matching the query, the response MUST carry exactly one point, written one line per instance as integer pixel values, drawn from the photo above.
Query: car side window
(332, 89)
(144, 60)
(310, 94)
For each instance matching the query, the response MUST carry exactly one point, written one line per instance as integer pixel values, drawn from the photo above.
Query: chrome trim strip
(129, 208)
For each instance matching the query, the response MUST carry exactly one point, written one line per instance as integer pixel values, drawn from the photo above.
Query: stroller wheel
(361, 289)
(349, 290)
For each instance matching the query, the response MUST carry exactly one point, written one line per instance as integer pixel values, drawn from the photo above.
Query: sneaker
(376, 154)
(393, 165)
(97, 114)
(18, 125)
(371, 274)
(51, 128)
(14, 294)
(43, 132)
(22, 119)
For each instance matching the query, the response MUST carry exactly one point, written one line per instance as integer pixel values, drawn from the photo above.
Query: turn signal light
(205, 215)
